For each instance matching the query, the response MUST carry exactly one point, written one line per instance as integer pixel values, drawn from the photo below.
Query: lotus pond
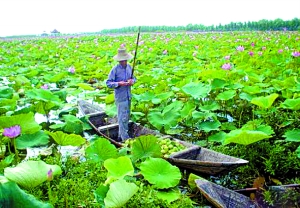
(237, 93)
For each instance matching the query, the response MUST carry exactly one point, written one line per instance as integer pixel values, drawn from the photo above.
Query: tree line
(261, 25)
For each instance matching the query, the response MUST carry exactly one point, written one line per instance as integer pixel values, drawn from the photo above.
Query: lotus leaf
(245, 137)
(30, 174)
(265, 102)
(292, 135)
(119, 193)
(118, 168)
(145, 146)
(100, 194)
(31, 140)
(196, 90)
(208, 126)
(160, 173)
(100, 150)
(13, 197)
(6, 92)
(166, 120)
(169, 196)
(292, 104)
(227, 95)
(64, 139)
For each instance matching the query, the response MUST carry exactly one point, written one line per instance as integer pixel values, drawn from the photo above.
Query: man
(121, 81)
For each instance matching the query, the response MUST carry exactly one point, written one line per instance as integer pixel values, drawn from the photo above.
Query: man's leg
(123, 118)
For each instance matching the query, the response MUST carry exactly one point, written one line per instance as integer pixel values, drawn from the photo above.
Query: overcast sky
(69, 16)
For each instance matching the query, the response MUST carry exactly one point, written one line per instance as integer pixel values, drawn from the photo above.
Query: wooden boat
(202, 160)
(108, 127)
(222, 197)
(194, 158)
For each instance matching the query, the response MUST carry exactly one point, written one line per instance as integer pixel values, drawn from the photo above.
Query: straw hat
(122, 54)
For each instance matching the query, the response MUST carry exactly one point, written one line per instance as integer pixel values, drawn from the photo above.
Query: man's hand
(130, 82)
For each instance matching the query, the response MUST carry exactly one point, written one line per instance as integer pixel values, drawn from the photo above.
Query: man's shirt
(117, 74)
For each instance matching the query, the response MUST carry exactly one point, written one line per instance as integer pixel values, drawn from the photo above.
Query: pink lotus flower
(227, 57)
(72, 69)
(296, 54)
(252, 44)
(226, 66)
(50, 175)
(45, 86)
(123, 45)
(280, 51)
(240, 48)
(251, 53)
(12, 132)
(165, 52)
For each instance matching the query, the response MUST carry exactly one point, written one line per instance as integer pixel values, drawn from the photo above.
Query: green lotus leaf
(39, 138)
(145, 146)
(218, 137)
(146, 96)
(265, 102)
(111, 110)
(64, 139)
(6, 92)
(85, 86)
(7, 105)
(174, 106)
(25, 121)
(244, 137)
(187, 109)
(160, 173)
(298, 152)
(20, 81)
(169, 196)
(208, 126)
(258, 126)
(119, 193)
(196, 115)
(227, 95)
(292, 104)
(100, 194)
(54, 78)
(191, 181)
(218, 84)
(166, 120)
(30, 174)
(100, 150)
(252, 89)
(164, 95)
(210, 107)
(13, 197)
(246, 96)
(43, 95)
(196, 90)
(292, 135)
(118, 168)
(109, 99)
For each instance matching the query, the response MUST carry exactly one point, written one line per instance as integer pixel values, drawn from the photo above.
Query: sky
(24, 17)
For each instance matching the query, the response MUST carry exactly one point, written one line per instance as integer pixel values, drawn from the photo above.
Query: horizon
(33, 17)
